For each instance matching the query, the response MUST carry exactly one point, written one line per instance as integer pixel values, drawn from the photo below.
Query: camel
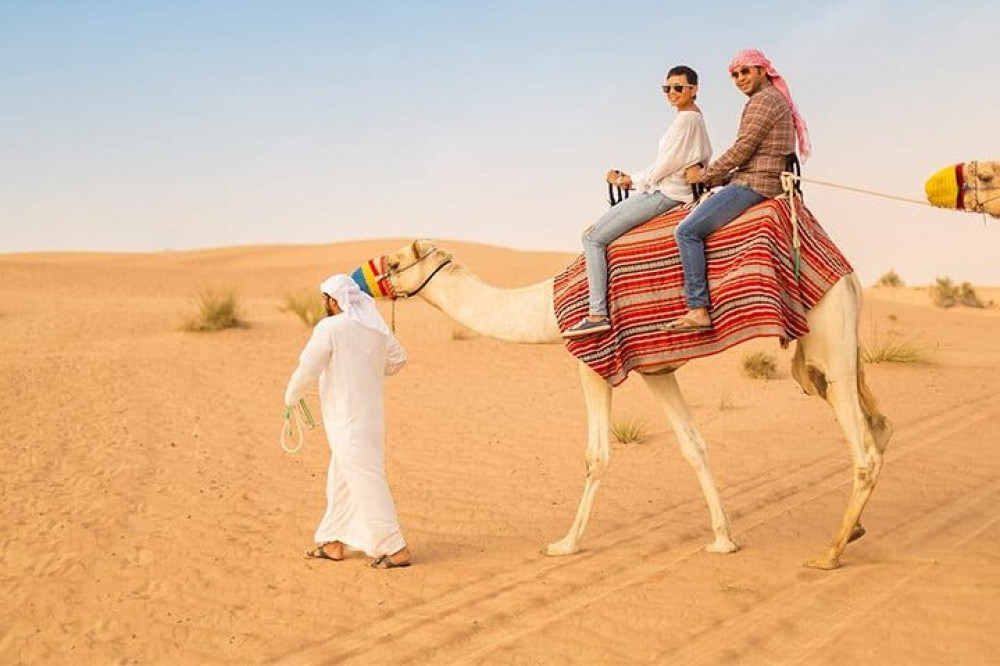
(826, 364)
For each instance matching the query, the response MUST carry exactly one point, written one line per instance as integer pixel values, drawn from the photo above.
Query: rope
(303, 421)
(788, 184)
(791, 177)
(853, 189)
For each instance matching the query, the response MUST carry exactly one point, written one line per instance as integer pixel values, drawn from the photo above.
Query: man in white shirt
(350, 352)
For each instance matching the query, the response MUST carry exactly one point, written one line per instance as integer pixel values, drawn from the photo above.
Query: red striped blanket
(752, 282)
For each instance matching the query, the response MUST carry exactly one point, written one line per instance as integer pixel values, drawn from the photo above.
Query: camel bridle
(978, 201)
(392, 273)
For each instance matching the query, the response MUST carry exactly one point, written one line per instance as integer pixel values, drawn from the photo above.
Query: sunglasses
(677, 88)
(742, 72)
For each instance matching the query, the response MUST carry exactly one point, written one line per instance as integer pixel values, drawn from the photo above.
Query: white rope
(860, 190)
(788, 184)
(980, 202)
(303, 421)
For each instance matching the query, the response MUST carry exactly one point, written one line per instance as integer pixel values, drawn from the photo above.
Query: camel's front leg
(597, 395)
(665, 388)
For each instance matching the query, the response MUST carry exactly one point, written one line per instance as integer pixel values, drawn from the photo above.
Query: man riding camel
(751, 168)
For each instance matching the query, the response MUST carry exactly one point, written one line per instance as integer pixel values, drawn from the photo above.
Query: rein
(391, 273)
(298, 419)
(396, 295)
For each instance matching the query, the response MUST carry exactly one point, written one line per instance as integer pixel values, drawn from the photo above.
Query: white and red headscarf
(756, 58)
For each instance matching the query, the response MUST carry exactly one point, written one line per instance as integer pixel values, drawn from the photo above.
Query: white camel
(826, 363)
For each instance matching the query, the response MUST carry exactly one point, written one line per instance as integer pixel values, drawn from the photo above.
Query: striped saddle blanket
(751, 274)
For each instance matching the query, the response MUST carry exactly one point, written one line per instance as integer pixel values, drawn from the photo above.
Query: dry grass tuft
(890, 279)
(629, 432)
(307, 306)
(945, 294)
(893, 348)
(217, 311)
(760, 365)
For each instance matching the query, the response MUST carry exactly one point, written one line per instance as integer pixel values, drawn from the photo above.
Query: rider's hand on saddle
(619, 178)
(694, 173)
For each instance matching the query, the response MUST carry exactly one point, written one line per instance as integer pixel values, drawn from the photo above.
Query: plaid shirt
(766, 137)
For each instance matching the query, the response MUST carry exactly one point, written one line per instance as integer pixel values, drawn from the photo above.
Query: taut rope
(788, 178)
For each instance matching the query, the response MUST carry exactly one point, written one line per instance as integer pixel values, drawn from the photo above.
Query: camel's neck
(514, 315)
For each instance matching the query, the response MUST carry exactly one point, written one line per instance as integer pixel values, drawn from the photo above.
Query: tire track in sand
(528, 597)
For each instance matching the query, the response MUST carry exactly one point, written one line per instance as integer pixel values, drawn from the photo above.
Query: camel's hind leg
(665, 388)
(597, 394)
(827, 364)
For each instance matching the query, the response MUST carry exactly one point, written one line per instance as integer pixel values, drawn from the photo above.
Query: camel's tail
(814, 382)
(880, 426)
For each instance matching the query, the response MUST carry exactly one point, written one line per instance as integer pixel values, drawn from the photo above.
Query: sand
(150, 516)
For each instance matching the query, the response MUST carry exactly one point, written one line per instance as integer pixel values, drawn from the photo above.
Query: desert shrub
(629, 432)
(306, 306)
(945, 294)
(216, 311)
(760, 365)
(967, 296)
(890, 279)
(893, 349)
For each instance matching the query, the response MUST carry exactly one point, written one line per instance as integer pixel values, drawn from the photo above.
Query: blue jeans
(618, 220)
(713, 213)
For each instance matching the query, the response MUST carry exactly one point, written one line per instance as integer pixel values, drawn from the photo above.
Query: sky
(143, 125)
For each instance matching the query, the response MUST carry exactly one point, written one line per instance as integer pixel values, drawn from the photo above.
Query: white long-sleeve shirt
(684, 143)
(350, 362)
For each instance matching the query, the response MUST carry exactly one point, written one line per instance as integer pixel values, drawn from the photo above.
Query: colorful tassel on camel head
(372, 277)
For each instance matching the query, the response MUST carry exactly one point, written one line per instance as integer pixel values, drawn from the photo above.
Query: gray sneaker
(586, 327)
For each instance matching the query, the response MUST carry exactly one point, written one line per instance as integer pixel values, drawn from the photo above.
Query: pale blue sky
(143, 126)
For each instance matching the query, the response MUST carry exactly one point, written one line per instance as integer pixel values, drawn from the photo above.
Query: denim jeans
(618, 220)
(713, 213)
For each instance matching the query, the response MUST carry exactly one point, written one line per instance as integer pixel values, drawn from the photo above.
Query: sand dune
(149, 515)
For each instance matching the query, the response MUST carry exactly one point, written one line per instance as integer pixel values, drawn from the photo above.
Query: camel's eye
(393, 264)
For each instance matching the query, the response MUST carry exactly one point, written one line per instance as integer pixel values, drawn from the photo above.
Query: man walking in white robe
(350, 352)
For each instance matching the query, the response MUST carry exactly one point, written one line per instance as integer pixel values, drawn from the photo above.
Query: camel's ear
(422, 247)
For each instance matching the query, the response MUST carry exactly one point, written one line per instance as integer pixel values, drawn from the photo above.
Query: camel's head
(973, 186)
(403, 273)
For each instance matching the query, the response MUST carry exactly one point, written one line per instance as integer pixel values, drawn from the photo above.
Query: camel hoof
(826, 563)
(560, 548)
(722, 545)
(856, 533)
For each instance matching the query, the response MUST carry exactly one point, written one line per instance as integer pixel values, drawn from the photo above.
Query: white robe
(351, 362)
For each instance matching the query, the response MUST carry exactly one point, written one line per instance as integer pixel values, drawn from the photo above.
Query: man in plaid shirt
(751, 169)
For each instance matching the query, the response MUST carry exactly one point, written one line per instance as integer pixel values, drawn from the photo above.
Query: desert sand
(150, 516)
